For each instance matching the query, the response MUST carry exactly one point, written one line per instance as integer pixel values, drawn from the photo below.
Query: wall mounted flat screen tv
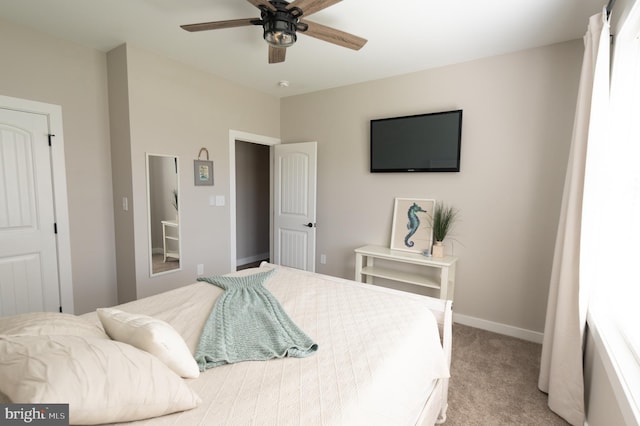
(417, 143)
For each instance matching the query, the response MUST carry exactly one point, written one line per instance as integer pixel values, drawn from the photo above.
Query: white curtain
(562, 350)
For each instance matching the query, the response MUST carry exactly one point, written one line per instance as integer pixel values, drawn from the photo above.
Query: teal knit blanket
(247, 323)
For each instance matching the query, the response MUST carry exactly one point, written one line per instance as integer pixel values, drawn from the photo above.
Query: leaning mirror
(162, 215)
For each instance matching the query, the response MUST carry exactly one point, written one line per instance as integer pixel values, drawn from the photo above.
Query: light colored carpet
(494, 381)
(160, 265)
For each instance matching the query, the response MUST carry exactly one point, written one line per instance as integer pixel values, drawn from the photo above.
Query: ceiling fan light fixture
(280, 33)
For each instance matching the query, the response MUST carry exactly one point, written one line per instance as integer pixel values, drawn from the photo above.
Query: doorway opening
(253, 192)
(253, 141)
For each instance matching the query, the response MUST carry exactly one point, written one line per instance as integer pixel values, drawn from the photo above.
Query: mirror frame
(149, 233)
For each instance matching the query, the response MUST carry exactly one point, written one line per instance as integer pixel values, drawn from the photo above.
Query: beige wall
(121, 176)
(176, 110)
(517, 110)
(518, 115)
(163, 107)
(41, 68)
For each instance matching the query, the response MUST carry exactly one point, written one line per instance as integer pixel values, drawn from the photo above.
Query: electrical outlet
(200, 269)
(323, 259)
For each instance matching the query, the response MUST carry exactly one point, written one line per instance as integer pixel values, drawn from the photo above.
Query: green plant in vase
(442, 222)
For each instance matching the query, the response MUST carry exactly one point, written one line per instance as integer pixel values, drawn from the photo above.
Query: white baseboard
(496, 327)
(251, 259)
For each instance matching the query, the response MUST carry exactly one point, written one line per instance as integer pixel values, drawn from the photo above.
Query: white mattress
(379, 356)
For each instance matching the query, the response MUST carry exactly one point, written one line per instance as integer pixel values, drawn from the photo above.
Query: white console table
(366, 269)
(173, 236)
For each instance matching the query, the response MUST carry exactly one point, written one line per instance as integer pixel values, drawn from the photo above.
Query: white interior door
(28, 255)
(294, 219)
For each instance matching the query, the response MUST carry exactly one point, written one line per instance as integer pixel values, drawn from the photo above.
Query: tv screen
(417, 143)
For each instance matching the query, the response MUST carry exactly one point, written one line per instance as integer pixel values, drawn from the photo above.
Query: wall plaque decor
(203, 169)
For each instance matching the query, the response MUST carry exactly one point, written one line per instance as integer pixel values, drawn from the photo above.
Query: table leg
(444, 282)
(370, 262)
(358, 267)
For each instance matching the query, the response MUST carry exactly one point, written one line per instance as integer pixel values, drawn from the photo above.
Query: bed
(383, 359)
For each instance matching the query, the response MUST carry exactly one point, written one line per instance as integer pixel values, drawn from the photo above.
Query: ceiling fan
(281, 21)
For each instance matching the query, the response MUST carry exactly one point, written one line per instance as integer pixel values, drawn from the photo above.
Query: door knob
(308, 225)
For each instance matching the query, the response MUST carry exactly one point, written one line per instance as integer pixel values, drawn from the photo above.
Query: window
(624, 180)
(615, 302)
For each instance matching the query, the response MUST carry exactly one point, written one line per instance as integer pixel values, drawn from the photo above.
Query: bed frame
(435, 409)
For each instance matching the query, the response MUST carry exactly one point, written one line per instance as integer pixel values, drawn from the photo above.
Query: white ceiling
(403, 35)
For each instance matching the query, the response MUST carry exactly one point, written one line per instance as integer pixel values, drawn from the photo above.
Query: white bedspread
(379, 355)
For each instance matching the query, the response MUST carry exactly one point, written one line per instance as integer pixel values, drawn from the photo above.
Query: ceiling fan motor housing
(280, 26)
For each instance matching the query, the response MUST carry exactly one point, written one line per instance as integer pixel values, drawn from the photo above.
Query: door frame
(257, 139)
(59, 181)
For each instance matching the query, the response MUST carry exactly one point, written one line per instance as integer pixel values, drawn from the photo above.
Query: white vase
(438, 249)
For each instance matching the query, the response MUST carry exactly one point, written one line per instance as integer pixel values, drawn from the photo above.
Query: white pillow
(152, 335)
(102, 380)
(49, 323)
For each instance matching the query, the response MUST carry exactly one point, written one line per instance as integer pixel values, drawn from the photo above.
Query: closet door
(28, 255)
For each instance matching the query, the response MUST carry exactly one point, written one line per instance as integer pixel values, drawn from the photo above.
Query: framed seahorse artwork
(411, 229)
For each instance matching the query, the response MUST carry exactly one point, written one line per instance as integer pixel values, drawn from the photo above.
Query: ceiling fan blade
(312, 6)
(205, 26)
(334, 36)
(277, 54)
(265, 3)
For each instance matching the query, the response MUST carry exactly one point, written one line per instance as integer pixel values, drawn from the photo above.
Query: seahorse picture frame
(412, 228)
